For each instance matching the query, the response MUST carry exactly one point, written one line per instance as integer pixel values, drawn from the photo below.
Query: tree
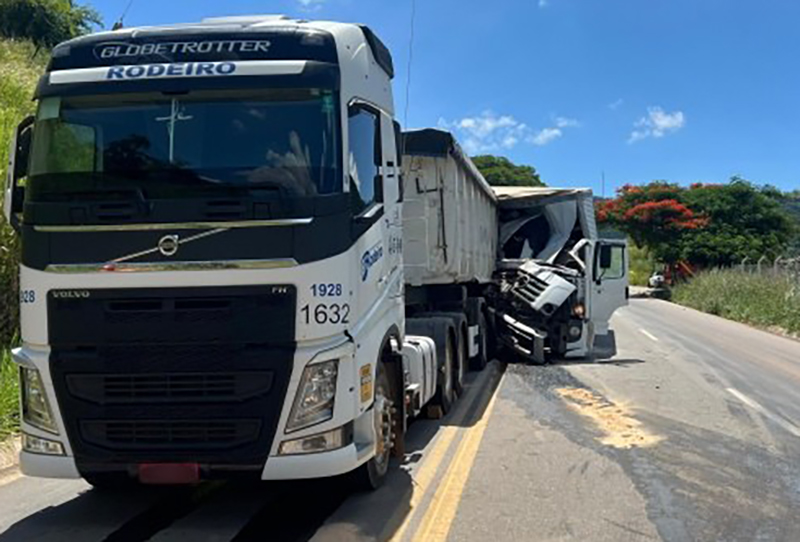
(500, 171)
(705, 224)
(46, 22)
(652, 216)
(744, 221)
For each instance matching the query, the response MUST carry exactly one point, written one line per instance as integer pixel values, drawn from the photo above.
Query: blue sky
(682, 90)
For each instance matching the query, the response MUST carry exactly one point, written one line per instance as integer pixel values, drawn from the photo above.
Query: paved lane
(650, 444)
(690, 432)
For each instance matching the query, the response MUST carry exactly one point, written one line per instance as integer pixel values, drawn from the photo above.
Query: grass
(9, 396)
(763, 300)
(641, 265)
(19, 73)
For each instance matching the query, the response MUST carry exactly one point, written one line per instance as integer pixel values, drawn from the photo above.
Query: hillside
(792, 205)
(19, 73)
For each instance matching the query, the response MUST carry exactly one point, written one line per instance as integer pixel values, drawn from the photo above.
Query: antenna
(119, 23)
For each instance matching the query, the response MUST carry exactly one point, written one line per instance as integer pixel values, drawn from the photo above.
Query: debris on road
(620, 428)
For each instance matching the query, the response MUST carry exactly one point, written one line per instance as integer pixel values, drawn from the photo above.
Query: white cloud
(310, 5)
(657, 124)
(616, 104)
(489, 132)
(486, 132)
(563, 122)
(545, 136)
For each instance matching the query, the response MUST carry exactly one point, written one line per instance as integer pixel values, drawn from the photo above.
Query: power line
(410, 60)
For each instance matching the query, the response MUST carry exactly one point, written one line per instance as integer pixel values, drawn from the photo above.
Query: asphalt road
(690, 432)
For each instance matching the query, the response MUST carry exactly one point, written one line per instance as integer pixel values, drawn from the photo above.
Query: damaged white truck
(557, 284)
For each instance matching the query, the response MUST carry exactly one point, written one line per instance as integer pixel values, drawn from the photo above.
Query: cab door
(609, 282)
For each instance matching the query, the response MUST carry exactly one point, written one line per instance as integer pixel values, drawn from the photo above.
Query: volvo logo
(71, 294)
(168, 245)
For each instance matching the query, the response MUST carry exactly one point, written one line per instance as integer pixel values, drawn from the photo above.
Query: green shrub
(9, 393)
(641, 265)
(19, 73)
(764, 300)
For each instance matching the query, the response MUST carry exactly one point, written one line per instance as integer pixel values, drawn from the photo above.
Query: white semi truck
(229, 269)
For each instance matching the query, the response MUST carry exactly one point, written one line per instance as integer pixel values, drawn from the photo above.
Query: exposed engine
(537, 305)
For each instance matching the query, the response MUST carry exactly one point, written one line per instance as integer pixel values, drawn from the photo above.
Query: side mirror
(18, 155)
(605, 256)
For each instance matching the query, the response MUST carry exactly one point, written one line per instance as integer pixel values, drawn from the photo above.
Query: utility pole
(603, 184)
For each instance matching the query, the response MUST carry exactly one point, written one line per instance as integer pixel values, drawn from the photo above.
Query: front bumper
(48, 466)
(290, 467)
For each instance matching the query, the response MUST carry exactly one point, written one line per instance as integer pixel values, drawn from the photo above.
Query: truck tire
(461, 330)
(442, 331)
(372, 474)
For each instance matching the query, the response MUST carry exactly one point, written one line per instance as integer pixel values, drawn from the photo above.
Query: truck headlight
(35, 406)
(321, 442)
(315, 397)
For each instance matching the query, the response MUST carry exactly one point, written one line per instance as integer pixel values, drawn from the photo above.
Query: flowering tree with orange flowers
(705, 224)
(652, 216)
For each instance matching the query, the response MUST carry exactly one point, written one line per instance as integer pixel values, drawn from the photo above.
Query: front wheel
(372, 474)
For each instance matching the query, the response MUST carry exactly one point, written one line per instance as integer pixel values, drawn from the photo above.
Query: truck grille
(170, 434)
(530, 288)
(173, 374)
(176, 387)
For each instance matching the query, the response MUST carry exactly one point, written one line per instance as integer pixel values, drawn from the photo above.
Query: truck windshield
(198, 144)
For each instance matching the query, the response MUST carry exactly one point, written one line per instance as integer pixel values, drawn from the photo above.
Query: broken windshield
(198, 144)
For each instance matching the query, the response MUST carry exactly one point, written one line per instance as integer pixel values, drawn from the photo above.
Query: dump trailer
(450, 243)
(213, 242)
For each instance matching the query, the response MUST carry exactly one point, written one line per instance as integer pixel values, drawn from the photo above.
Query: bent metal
(118, 50)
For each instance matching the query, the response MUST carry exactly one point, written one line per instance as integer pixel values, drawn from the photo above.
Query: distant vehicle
(657, 280)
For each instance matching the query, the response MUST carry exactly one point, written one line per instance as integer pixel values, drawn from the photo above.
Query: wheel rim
(382, 420)
(484, 354)
(448, 371)
(463, 359)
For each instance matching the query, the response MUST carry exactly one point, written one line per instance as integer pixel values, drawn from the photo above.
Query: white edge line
(788, 426)
(649, 335)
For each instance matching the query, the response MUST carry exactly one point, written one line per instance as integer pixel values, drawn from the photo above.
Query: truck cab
(206, 213)
(557, 282)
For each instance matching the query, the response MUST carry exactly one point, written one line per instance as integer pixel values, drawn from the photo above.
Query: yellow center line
(425, 476)
(436, 523)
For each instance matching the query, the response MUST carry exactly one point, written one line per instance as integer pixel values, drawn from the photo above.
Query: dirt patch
(620, 428)
(9, 453)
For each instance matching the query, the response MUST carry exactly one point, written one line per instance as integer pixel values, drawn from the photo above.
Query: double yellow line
(441, 510)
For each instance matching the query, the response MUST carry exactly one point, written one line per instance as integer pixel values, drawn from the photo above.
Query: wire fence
(781, 266)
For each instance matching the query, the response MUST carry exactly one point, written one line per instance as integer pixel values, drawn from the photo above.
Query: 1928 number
(28, 296)
(326, 290)
(333, 313)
